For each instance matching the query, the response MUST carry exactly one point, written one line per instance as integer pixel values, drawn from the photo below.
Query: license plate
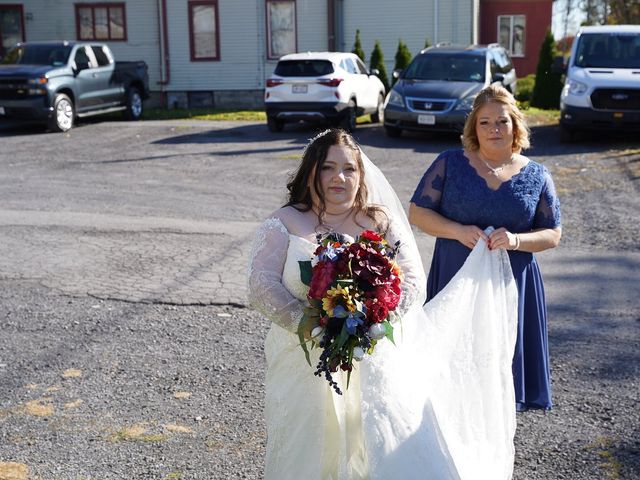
(298, 88)
(1, 110)
(427, 119)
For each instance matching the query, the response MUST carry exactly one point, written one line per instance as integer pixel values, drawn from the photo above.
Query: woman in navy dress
(491, 184)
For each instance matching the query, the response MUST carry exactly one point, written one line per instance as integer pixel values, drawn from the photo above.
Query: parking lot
(127, 350)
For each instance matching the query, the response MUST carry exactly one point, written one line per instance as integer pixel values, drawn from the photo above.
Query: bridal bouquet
(354, 288)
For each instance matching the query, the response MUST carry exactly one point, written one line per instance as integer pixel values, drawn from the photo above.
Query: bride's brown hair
(313, 157)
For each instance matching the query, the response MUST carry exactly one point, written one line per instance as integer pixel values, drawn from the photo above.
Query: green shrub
(548, 85)
(357, 47)
(377, 61)
(403, 58)
(524, 88)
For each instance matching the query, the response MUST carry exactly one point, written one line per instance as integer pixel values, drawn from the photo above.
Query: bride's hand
(470, 234)
(502, 238)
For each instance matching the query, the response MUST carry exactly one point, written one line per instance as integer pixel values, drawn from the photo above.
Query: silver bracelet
(517, 242)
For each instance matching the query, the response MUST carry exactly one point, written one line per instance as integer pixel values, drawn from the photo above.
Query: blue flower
(353, 320)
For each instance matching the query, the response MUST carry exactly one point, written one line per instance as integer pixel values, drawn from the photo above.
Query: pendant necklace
(495, 171)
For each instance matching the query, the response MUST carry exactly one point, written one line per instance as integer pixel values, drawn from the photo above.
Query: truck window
(608, 50)
(101, 56)
(82, 59)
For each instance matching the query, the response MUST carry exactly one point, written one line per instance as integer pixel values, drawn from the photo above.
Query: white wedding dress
(438, 405)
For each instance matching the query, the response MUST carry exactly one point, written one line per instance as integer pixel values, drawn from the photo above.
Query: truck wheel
(348, 121)
(274, 125)
(63, 114)
(379, 113)
(134, 104)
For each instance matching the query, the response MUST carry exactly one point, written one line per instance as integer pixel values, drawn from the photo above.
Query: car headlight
(573, 87)
(466, 103)
(395, 99)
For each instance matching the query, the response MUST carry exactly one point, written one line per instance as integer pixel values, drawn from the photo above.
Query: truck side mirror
(375, 71)
(497, 77)
(558, 65)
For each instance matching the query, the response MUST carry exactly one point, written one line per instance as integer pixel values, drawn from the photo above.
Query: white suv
(322, 87)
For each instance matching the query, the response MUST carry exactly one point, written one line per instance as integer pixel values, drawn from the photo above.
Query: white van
(602, 87)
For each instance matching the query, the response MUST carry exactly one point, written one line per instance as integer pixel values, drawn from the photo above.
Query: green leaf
(389, 331)
(342, 338)
(307, 323)
(305, 271)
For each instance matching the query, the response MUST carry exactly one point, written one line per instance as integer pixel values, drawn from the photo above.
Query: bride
(439, 404)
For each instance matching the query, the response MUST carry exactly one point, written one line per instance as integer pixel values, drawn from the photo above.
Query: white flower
(358, 353)
(377, 331)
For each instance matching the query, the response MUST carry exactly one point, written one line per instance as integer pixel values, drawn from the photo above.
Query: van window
(608, 50)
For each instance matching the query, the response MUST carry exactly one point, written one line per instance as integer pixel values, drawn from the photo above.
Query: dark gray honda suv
(436, 91)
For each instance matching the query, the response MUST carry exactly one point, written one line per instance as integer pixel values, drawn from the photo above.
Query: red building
(519, 26)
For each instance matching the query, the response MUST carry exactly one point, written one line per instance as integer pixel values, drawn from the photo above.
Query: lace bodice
(453, 188)
(274, 284)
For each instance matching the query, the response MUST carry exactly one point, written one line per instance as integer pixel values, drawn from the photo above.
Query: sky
(575, 18)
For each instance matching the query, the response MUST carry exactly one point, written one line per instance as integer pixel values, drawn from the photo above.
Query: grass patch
(213, 114)
(13, 471)
(136, 433)
(537, 117)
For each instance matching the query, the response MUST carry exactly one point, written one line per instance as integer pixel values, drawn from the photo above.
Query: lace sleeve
(267, 294)
(429, 190)
(414, 283)
(548, 209)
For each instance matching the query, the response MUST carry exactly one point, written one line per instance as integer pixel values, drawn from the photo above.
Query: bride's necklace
(495, 171)
(334, 227)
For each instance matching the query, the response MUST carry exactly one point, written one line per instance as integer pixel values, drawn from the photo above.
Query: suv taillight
(332, 82)
(271, 82)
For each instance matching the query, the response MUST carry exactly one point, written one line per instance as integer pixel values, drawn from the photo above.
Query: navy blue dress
(528, 201)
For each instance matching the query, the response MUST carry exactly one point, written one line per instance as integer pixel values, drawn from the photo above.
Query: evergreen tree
(546, 91)
(427, 43)
(357, 47)
(403, 58)
(377, 61)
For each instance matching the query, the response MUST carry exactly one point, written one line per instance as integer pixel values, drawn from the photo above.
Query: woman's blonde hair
(496, 94)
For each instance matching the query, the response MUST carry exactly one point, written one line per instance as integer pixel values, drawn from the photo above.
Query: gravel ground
(99, 389)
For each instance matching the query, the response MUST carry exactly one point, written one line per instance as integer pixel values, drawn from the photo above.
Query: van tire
(567, 135)
(392, 132)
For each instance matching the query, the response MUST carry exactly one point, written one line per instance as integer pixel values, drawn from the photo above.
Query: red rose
(322, 277)
(371, 236)
(377, 311)
(388, 295)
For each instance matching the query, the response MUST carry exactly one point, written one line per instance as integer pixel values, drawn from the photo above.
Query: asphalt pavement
(138, 234)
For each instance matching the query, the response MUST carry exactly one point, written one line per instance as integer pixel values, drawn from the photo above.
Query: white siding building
(220, 52)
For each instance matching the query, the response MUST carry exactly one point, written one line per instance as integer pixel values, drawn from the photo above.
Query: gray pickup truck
(57, 82)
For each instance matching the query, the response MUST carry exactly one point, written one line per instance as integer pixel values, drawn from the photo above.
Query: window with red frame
(281, 27)
(101, 21)
(11, 27)
(204, 38)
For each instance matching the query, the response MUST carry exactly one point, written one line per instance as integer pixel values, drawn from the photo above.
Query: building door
(11, 27)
